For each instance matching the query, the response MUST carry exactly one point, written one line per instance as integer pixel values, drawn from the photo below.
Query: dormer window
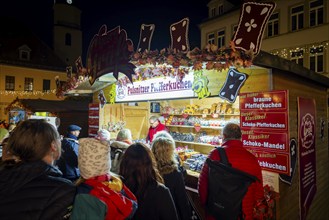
(24, 52)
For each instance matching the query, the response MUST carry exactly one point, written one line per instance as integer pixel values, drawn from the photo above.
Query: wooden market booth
(268, 74)
(282, 109)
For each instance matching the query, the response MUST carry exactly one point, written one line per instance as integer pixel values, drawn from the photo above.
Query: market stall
(281, 107)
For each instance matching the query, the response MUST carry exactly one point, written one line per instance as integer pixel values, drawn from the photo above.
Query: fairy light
(27, 93)
(313, 49)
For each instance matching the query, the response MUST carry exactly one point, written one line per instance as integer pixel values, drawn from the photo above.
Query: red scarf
(120, 205)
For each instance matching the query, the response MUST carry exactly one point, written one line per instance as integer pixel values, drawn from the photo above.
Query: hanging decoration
(101, 98)
(200, 84)
(116, 48)
(252, 23)
(232, 85)
(145, 37)
(112, 93)
(179, 35)
(116, 126)
(73, 80)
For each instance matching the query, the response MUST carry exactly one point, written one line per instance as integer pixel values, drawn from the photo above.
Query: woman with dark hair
(138, 168)
(31, 187)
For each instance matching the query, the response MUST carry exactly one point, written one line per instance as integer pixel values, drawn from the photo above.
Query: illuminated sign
(155, 89)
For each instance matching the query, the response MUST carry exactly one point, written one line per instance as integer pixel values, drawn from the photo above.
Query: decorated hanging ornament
(232, 85)
(112, 93)
(101, 98)
(200, 85)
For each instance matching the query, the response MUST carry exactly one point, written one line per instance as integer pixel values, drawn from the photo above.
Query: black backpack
(226, 188)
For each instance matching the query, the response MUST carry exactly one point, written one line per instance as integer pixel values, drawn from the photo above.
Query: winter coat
(114, 200)
(156, 204)
(117, 150)
(243, 160)
(68, 163)
(175, 182)
(34, 190)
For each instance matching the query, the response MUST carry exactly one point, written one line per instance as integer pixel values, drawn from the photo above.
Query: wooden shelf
(187, 126)
(195, 143)
(208, 115)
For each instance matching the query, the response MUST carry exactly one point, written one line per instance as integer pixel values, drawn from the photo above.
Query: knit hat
(94, 157)
(103, 135)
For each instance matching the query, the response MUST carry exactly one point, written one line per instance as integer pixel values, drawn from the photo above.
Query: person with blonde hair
(163, 148)
(31, 187)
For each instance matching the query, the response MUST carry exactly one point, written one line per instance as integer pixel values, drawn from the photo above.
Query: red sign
(264, 101)
(264, 124)
(307, 160)
(258, 119)
(260, 140)
(93, 119)
(272, 161)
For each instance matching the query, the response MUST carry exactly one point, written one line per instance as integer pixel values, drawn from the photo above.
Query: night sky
(129, 15)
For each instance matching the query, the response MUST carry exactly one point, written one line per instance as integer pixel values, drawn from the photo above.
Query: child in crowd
(139, 172)
(101, 194)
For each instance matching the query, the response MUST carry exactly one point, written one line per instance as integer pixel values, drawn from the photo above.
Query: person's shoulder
(119, 144)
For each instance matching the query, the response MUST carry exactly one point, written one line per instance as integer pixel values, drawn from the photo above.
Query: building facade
(28, 67)
(298, 30)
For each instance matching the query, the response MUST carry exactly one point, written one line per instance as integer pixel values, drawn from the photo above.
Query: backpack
(227, 187)
(116, 156)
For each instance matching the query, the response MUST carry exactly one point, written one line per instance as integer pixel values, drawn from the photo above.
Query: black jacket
(175, 182)
(34, 190)
(157, 204)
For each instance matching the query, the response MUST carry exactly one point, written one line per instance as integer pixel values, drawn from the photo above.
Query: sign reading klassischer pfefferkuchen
(264, 125)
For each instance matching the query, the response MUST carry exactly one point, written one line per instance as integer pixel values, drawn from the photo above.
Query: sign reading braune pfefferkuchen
(155, 89)
(264, 126)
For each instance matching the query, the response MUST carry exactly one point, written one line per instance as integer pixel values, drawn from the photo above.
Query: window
(220, 9)
(221, 38)
(24, 52)
(28, 84)
(46, 85)
(10, 83)
(316, 13)
(273, 25)
(316, 59)
(213, 12)
(211, 38)
(68, 39)
(297, 18)
(297, 56)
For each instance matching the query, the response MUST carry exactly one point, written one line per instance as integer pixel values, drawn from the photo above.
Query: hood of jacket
(15, 176)
(119, 144)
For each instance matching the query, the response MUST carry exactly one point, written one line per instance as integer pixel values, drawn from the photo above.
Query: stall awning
(41, 105)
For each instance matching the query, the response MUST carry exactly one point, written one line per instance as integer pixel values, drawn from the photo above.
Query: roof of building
(265, 59)
(14, 35)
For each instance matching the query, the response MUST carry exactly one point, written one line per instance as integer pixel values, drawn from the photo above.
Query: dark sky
(129, 15)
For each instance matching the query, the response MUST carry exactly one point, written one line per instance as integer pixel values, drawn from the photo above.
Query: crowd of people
(44, 176)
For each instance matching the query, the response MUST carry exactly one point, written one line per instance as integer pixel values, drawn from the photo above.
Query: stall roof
(264, 59)
(41, 105)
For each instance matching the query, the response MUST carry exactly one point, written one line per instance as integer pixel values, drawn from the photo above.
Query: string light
(313, 49)
(27, 93)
